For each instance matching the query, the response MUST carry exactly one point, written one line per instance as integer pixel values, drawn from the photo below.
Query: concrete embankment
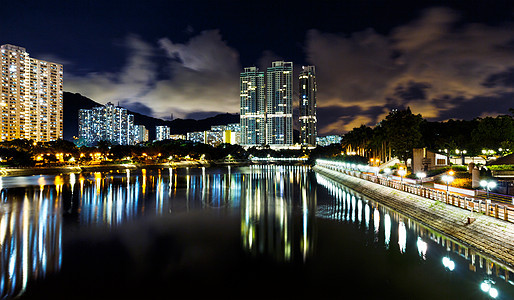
(491, 236)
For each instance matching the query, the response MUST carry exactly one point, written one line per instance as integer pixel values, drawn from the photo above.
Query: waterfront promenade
(492, 236)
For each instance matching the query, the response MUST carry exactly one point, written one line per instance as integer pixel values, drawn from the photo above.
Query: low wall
(488, 235)
(455, 189)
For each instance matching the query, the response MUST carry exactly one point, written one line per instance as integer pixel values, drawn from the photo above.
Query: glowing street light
(487, 185)
(421, 175)
(487, 286)
(448, 179)
(402, 173)
(387, 172)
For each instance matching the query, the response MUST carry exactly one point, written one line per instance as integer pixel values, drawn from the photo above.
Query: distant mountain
(73, 102)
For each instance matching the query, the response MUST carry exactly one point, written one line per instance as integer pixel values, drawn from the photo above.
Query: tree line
(401, 131)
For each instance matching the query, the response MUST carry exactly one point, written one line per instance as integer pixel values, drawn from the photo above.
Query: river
(261, 231)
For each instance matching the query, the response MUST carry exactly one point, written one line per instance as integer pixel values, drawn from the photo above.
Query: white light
(485, 286)
(422, 247)
(387, 170)
(493, 292)
(447, 178)
(491, 185)
(421, 175)
(448, 263)
(483, 183)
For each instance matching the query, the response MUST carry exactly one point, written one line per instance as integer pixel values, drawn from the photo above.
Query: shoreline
(7, 172)
(490, 236)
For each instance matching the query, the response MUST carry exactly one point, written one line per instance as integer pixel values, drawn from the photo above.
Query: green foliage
(402, 129)
(492, 133)
(501, 167)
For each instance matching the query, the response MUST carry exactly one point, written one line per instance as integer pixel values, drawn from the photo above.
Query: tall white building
(307, 93)
(279, 114)
(253, 107)
(140, 134)
(31, 99)
(106, 123)
(162, 133)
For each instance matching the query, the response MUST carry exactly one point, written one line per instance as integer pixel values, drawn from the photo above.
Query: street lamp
(448, 179)
(487, 185)
(421, 175)
(387, 171)
(402, 173)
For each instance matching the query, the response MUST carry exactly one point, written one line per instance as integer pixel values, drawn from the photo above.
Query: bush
(464, 183)
(501, 167)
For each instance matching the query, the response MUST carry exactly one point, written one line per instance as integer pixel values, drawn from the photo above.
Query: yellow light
(451, 173)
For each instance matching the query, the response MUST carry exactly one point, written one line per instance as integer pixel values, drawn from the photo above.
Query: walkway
(490, 235)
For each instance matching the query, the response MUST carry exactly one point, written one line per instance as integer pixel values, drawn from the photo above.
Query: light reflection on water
(413, 236)
(30, 237)
(279, 208)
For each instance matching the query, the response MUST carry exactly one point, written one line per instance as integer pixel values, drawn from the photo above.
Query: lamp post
(487, 185)
(448, 179)
(402, 173)
(421, 175)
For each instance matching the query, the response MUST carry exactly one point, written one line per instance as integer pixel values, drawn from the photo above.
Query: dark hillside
(73, 102)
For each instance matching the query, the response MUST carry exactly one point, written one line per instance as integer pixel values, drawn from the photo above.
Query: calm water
(250, 232)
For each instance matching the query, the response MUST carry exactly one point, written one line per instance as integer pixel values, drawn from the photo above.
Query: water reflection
(271, 196)
(411, 236)
(279, 209)
(30, 236)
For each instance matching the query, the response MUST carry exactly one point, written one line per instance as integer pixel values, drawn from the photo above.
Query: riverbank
(106, 167)
(491, 236)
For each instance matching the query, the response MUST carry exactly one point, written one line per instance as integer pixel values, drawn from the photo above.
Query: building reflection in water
(273, 198)
(30, 235)
(410, 235)
(270, 199)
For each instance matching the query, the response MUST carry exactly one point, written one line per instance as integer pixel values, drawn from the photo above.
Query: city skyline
(442, 59)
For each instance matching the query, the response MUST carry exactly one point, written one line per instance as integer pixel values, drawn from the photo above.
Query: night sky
(442, 59)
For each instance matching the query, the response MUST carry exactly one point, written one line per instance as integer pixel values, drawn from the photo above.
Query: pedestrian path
(490, 235)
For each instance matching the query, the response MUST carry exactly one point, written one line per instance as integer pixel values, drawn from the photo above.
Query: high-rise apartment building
(31, 99)
(106, 123)
(253, 107)
(307, 93)
(279, 114)
(140, 134)
(162, 133)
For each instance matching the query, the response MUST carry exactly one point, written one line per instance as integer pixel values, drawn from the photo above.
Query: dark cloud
(203, 114)
(436, 64)
(502, 79)
(479, 106)
(412, 91)
(201, 76)
(138, 107)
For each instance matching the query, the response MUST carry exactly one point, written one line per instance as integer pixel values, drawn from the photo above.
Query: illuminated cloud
(439, 68)
(132, 82)
(200, 75)
(436, 65)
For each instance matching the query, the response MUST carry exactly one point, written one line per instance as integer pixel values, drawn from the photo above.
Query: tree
(402, 129)
(493, 133)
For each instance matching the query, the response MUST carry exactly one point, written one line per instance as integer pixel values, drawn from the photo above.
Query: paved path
(491, 236)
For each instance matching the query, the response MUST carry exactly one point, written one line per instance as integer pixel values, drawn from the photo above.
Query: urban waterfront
(237, 232)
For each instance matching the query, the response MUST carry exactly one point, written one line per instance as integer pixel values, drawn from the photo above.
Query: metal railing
(496, 210)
